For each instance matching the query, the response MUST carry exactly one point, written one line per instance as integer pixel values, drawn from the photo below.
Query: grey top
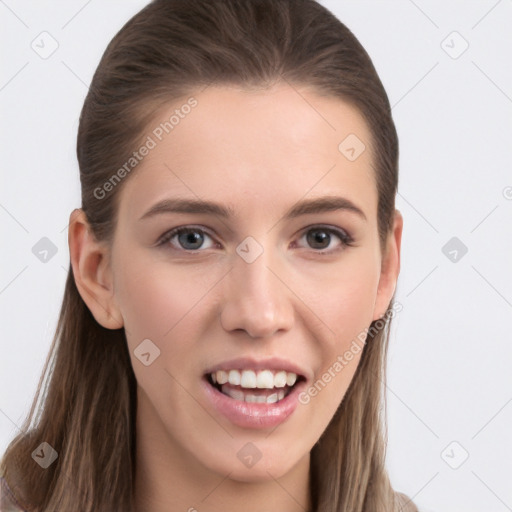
(8, 503)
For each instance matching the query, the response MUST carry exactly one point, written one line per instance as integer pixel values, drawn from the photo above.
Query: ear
(390, 267)
(90, 261)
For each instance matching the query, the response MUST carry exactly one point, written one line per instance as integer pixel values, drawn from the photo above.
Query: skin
(260, 152)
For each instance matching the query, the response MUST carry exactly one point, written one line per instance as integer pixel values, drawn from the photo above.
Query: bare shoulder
(404, 503)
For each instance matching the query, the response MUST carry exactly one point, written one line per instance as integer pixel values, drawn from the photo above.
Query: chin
(260, 469)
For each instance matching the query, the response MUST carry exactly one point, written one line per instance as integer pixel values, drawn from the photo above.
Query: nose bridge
(257, 301)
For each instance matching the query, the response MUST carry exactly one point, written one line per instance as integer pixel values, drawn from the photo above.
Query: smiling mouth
(253, 394)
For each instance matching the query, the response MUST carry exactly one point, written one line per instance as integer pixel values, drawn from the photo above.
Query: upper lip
(248, 363)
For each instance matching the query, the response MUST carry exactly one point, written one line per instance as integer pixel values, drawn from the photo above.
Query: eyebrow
(303, 207)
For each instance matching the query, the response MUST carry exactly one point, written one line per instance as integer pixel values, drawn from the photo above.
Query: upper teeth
(251, 379)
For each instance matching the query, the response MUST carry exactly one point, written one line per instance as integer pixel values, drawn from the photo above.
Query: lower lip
(253, 415)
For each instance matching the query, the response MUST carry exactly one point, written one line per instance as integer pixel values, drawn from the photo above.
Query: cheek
(345, 296)
(347, 310)
(155, 297)
(149, 306)
(159, 303)
(346, 306)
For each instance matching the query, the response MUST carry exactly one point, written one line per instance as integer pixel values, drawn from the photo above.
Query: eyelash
(345, 238)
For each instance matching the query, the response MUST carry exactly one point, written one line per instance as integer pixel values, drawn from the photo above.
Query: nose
(257, 299)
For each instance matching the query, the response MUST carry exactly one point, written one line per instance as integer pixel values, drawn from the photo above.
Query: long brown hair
(87, 389)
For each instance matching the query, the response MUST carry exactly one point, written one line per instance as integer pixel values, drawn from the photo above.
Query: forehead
(255, 148)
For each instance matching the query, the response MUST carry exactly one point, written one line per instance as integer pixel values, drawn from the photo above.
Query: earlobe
(91, 270)
(390, 267)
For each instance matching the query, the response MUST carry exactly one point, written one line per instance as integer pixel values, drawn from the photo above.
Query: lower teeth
(242, 396)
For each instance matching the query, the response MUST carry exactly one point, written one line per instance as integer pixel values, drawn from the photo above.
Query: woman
(223, 334)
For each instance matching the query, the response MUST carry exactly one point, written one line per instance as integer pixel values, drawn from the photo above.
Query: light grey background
(449, 382)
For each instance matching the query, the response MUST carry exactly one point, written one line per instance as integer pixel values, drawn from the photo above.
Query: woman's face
(280, 290)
